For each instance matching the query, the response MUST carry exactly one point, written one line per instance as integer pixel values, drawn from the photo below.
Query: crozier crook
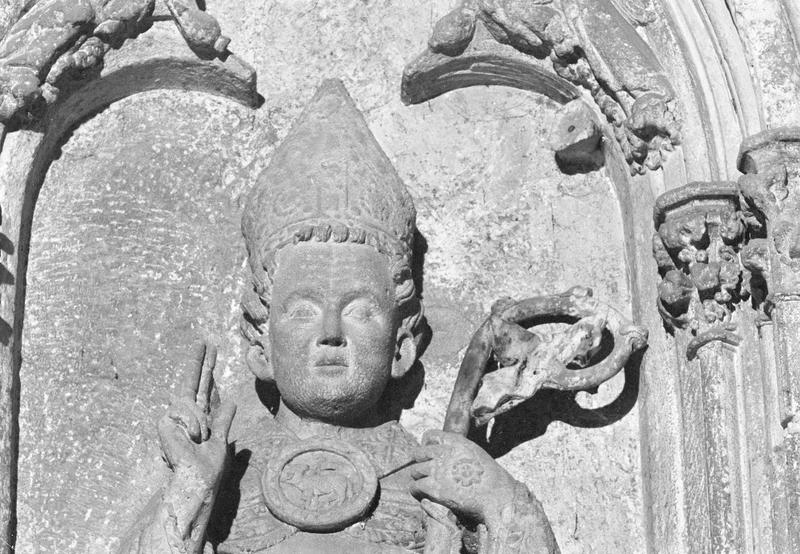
(528, 362)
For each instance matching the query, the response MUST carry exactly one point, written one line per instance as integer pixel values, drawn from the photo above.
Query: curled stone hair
(256, 301)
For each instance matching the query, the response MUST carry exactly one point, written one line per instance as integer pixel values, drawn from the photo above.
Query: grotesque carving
(332, 319)
(56, 38)
(591, 43)
(530, 361)
(768, 185)
(578, 139)
(701, 230)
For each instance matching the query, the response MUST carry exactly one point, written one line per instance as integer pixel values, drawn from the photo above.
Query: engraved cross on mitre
(331, 172)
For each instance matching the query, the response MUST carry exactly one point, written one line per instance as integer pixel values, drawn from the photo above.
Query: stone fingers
(434, 490)
(435, 452)
(187, 416)
(174, 445)
(427, 487)
(223, 418)
(446, 439)
(206, 384)
(421, 470)
(191, 379)
(433, 436)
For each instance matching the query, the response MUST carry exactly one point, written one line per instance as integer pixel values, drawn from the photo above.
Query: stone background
(136, 252)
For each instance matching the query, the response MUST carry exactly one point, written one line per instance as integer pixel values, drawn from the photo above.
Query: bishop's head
(333, 315)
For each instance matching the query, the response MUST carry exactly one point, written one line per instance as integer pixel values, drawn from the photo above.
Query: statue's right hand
(194, 431)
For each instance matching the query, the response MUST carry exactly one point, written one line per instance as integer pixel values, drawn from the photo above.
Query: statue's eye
(361, 308)
(301, 310)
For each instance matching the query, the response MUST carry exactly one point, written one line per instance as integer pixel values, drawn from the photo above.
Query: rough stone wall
(136, 251)
(9, 12)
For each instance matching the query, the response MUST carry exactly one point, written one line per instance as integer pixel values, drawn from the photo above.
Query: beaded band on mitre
(328, 181)
(399, 252)
(396, 248)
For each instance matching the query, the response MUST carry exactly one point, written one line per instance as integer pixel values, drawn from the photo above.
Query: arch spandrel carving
(558, 49)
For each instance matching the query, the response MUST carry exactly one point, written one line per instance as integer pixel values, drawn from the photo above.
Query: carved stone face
(333, 327)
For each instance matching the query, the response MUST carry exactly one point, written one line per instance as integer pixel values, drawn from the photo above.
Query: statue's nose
(332, 334)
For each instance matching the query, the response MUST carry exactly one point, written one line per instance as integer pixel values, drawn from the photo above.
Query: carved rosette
(701, 229)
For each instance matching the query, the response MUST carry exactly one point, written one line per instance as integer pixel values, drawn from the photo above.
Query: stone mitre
(329, 181)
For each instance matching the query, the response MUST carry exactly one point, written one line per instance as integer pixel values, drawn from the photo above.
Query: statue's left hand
(458, 474)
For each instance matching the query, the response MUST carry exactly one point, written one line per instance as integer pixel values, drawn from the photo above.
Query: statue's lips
(331, 361)
(327, 371)
(331, 369)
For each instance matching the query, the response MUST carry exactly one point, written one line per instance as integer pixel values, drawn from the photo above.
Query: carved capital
(770, 187)
(700, 233)
(557, 48)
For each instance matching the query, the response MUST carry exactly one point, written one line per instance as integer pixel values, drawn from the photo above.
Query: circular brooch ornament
(319, 485)
(467, 472)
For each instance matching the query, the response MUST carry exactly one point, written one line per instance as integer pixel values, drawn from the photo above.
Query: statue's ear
(258, 362)
(405, 354)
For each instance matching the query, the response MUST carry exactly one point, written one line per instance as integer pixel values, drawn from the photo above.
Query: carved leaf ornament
(590, 44)
(59, 39)
(701, 231)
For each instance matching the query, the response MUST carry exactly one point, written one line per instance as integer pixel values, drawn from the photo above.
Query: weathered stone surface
(142, 223)
(709, 439)
(56, 42)
(766, 28)
(497, 215)
(593, 45)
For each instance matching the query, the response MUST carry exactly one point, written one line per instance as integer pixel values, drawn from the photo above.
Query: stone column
(700, 230)
(770, 185)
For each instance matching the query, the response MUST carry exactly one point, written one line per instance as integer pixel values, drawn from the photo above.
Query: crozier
(542, 141)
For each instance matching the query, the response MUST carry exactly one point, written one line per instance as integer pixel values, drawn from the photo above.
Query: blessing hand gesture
(194, 431)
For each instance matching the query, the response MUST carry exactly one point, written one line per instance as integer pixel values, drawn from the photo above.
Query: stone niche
(136, 252)
(688, 108)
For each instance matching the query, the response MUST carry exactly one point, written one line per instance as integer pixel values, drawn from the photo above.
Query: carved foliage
(718, 243)
(701, 230)
(593, 44)
(61, 39)
(769, 188)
